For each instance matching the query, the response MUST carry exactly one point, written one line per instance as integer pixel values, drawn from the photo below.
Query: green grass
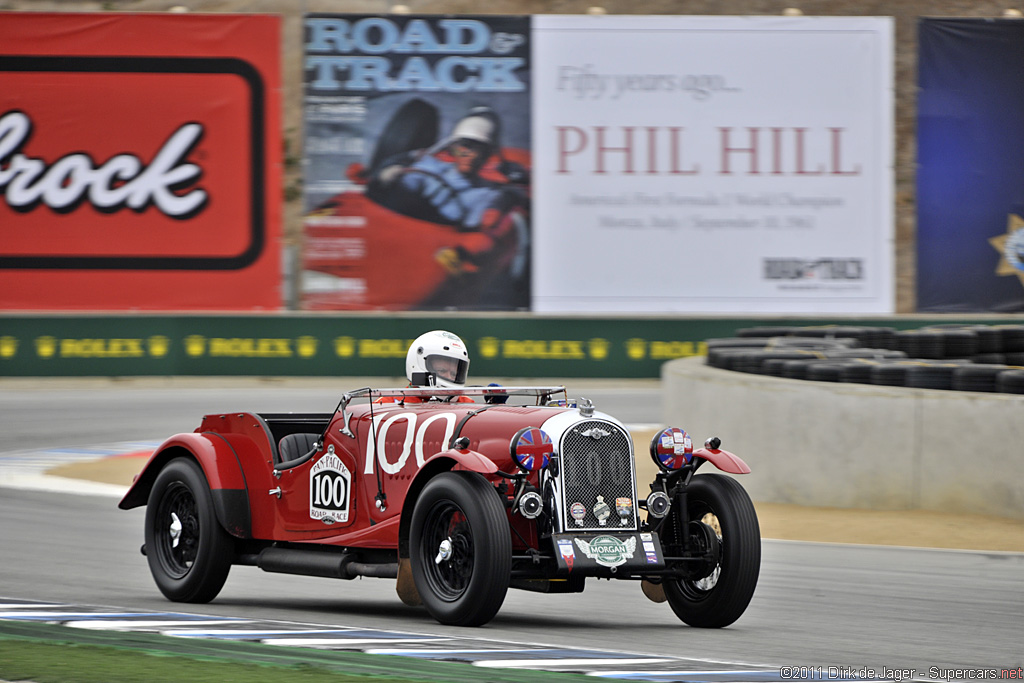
(71, 663)
(46, 653)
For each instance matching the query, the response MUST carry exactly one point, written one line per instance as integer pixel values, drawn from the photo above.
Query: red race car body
(457, 500)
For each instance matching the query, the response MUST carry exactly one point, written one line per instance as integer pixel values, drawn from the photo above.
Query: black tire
(189, 552)
(461, 549)
(977, 377)
(1010, 382)
(718, 593)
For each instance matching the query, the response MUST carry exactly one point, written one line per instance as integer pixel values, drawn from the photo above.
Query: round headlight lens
(658, 504)
(531, 505)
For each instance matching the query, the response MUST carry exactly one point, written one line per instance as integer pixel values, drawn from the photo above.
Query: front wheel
(461, 550)
(723, 526)
(189, 552)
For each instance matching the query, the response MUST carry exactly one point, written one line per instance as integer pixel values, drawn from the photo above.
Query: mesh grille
(592, 467)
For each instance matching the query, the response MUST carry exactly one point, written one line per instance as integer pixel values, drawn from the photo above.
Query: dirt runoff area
(917, 528)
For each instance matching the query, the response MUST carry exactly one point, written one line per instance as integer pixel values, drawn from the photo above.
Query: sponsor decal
(814, 269)
(46, 346)
(639, 349)
(608, 551)
(330, 486)
(250, 347)
(545, 349)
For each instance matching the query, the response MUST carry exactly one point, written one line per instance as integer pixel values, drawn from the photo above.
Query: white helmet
(442, 354)
(480, 124)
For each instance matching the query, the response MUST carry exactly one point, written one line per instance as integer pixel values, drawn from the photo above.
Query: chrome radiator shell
(595, 459)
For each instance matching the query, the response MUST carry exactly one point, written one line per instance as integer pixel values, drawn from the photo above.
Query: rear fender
(445, 461)
(221, 468)
(723, 460)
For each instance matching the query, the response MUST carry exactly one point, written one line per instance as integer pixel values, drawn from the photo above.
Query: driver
(443, 184)
(435, 359)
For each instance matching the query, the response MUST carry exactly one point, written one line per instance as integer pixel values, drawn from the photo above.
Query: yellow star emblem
(1011, 248)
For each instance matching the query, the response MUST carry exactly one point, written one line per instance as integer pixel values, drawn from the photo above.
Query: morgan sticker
(330, 485)
(608, 551)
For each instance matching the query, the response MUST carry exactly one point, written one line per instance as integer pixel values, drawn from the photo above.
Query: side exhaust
(317, 563)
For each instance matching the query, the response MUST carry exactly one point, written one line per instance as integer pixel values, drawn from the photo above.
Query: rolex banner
(970, 178)
(140, 161)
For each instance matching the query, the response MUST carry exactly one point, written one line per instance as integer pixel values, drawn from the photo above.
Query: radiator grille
(596, 461)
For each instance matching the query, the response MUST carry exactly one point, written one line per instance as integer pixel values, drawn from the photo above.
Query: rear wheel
(722, 524)
(461, 550)
(189, 552)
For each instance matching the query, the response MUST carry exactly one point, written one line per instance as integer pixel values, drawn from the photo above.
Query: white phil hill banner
(713, 164)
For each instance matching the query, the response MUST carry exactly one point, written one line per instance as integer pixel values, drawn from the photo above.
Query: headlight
(531, 449)
(658, 504)
(671, 449)
(531, 505)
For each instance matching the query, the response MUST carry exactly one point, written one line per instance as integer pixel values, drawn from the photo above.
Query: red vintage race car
(458, 501)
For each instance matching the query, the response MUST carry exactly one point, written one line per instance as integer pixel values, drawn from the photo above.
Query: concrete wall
(857, 445)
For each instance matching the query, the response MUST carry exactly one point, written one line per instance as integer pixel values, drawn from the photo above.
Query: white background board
(713, 164)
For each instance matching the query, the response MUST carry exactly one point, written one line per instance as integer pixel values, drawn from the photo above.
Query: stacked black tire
(954, 357)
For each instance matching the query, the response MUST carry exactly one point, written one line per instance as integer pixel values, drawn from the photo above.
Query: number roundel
(531, 449)
(671, 448)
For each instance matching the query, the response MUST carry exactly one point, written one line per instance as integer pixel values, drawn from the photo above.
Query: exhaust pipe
(323, 564)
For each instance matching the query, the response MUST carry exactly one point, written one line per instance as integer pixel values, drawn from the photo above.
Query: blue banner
(970, 178)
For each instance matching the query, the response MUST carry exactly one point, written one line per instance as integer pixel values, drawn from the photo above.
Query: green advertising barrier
(365, 345)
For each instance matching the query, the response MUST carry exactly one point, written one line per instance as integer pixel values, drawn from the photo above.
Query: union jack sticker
(532, 448)
(673, 448)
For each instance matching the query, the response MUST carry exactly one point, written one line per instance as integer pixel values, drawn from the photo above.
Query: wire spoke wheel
(723, 530)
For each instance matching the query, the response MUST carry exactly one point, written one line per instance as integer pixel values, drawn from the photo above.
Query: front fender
(723, 460)
(221, 467)
(437, 463)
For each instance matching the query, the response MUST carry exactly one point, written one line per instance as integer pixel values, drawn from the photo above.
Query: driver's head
(474, 139)
(441, 353)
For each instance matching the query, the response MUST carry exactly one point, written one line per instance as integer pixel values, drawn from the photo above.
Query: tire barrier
(874, 432)
(986, 358)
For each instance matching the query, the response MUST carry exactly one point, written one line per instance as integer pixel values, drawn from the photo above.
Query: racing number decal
(330, 485)
(413, 441)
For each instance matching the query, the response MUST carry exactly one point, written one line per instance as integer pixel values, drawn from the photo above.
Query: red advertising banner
(140, 162)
